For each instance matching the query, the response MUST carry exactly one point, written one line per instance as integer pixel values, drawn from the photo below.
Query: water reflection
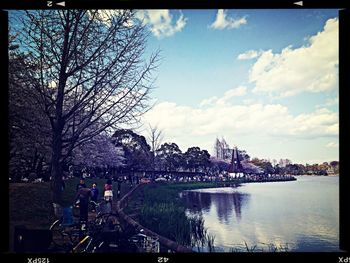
(224, 203)
(197, 202)
(302, 215)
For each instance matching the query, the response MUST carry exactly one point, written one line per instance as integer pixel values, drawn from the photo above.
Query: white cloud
(209, 101)
(240, 91)
(249, 54)
(324, 119)
(222, 21)
(312, 68)
(332, 145)
(161, 22)
(331, 102)
(188, 126)
(236, 92)
(106, 16)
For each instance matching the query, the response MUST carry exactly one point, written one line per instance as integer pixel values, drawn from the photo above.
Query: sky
(265, 80)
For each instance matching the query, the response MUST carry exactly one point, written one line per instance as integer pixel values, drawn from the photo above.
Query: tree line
(223, 151)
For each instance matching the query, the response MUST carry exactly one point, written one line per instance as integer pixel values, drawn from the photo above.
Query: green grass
(167, 219)
(161, 210)
(30, 203)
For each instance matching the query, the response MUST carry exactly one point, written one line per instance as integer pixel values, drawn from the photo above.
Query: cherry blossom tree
(89, 74)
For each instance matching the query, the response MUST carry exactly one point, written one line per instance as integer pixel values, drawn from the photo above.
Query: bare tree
(155, 138)
(224, 148)
(90, 74)
(217, 148)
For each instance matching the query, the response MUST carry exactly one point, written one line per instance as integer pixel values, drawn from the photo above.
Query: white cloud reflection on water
(303, 214)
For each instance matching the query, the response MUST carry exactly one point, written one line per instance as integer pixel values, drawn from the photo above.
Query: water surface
(302, 215)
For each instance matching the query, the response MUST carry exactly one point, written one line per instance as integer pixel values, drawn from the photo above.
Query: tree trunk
(35, 159)
(39, 167)
(58, 125)
(56, 169)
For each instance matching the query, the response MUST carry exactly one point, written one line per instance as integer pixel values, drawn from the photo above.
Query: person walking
(82, 198)
(94, 197)
(108, 194)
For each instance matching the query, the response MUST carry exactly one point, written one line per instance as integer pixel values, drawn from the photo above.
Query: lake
(296, 216)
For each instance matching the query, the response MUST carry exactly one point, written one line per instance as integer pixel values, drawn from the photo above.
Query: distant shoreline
(332, 175)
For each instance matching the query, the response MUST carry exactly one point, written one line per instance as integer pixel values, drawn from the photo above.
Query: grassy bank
(159, 208)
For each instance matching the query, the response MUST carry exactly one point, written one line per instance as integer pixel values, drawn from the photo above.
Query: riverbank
(158, 207)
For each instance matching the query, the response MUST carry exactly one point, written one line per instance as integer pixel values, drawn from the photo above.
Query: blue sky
(204, 59)
(265, 80)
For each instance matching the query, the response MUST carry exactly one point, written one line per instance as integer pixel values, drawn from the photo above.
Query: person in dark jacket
(83, 196)
(81, 184)
(95, 194)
